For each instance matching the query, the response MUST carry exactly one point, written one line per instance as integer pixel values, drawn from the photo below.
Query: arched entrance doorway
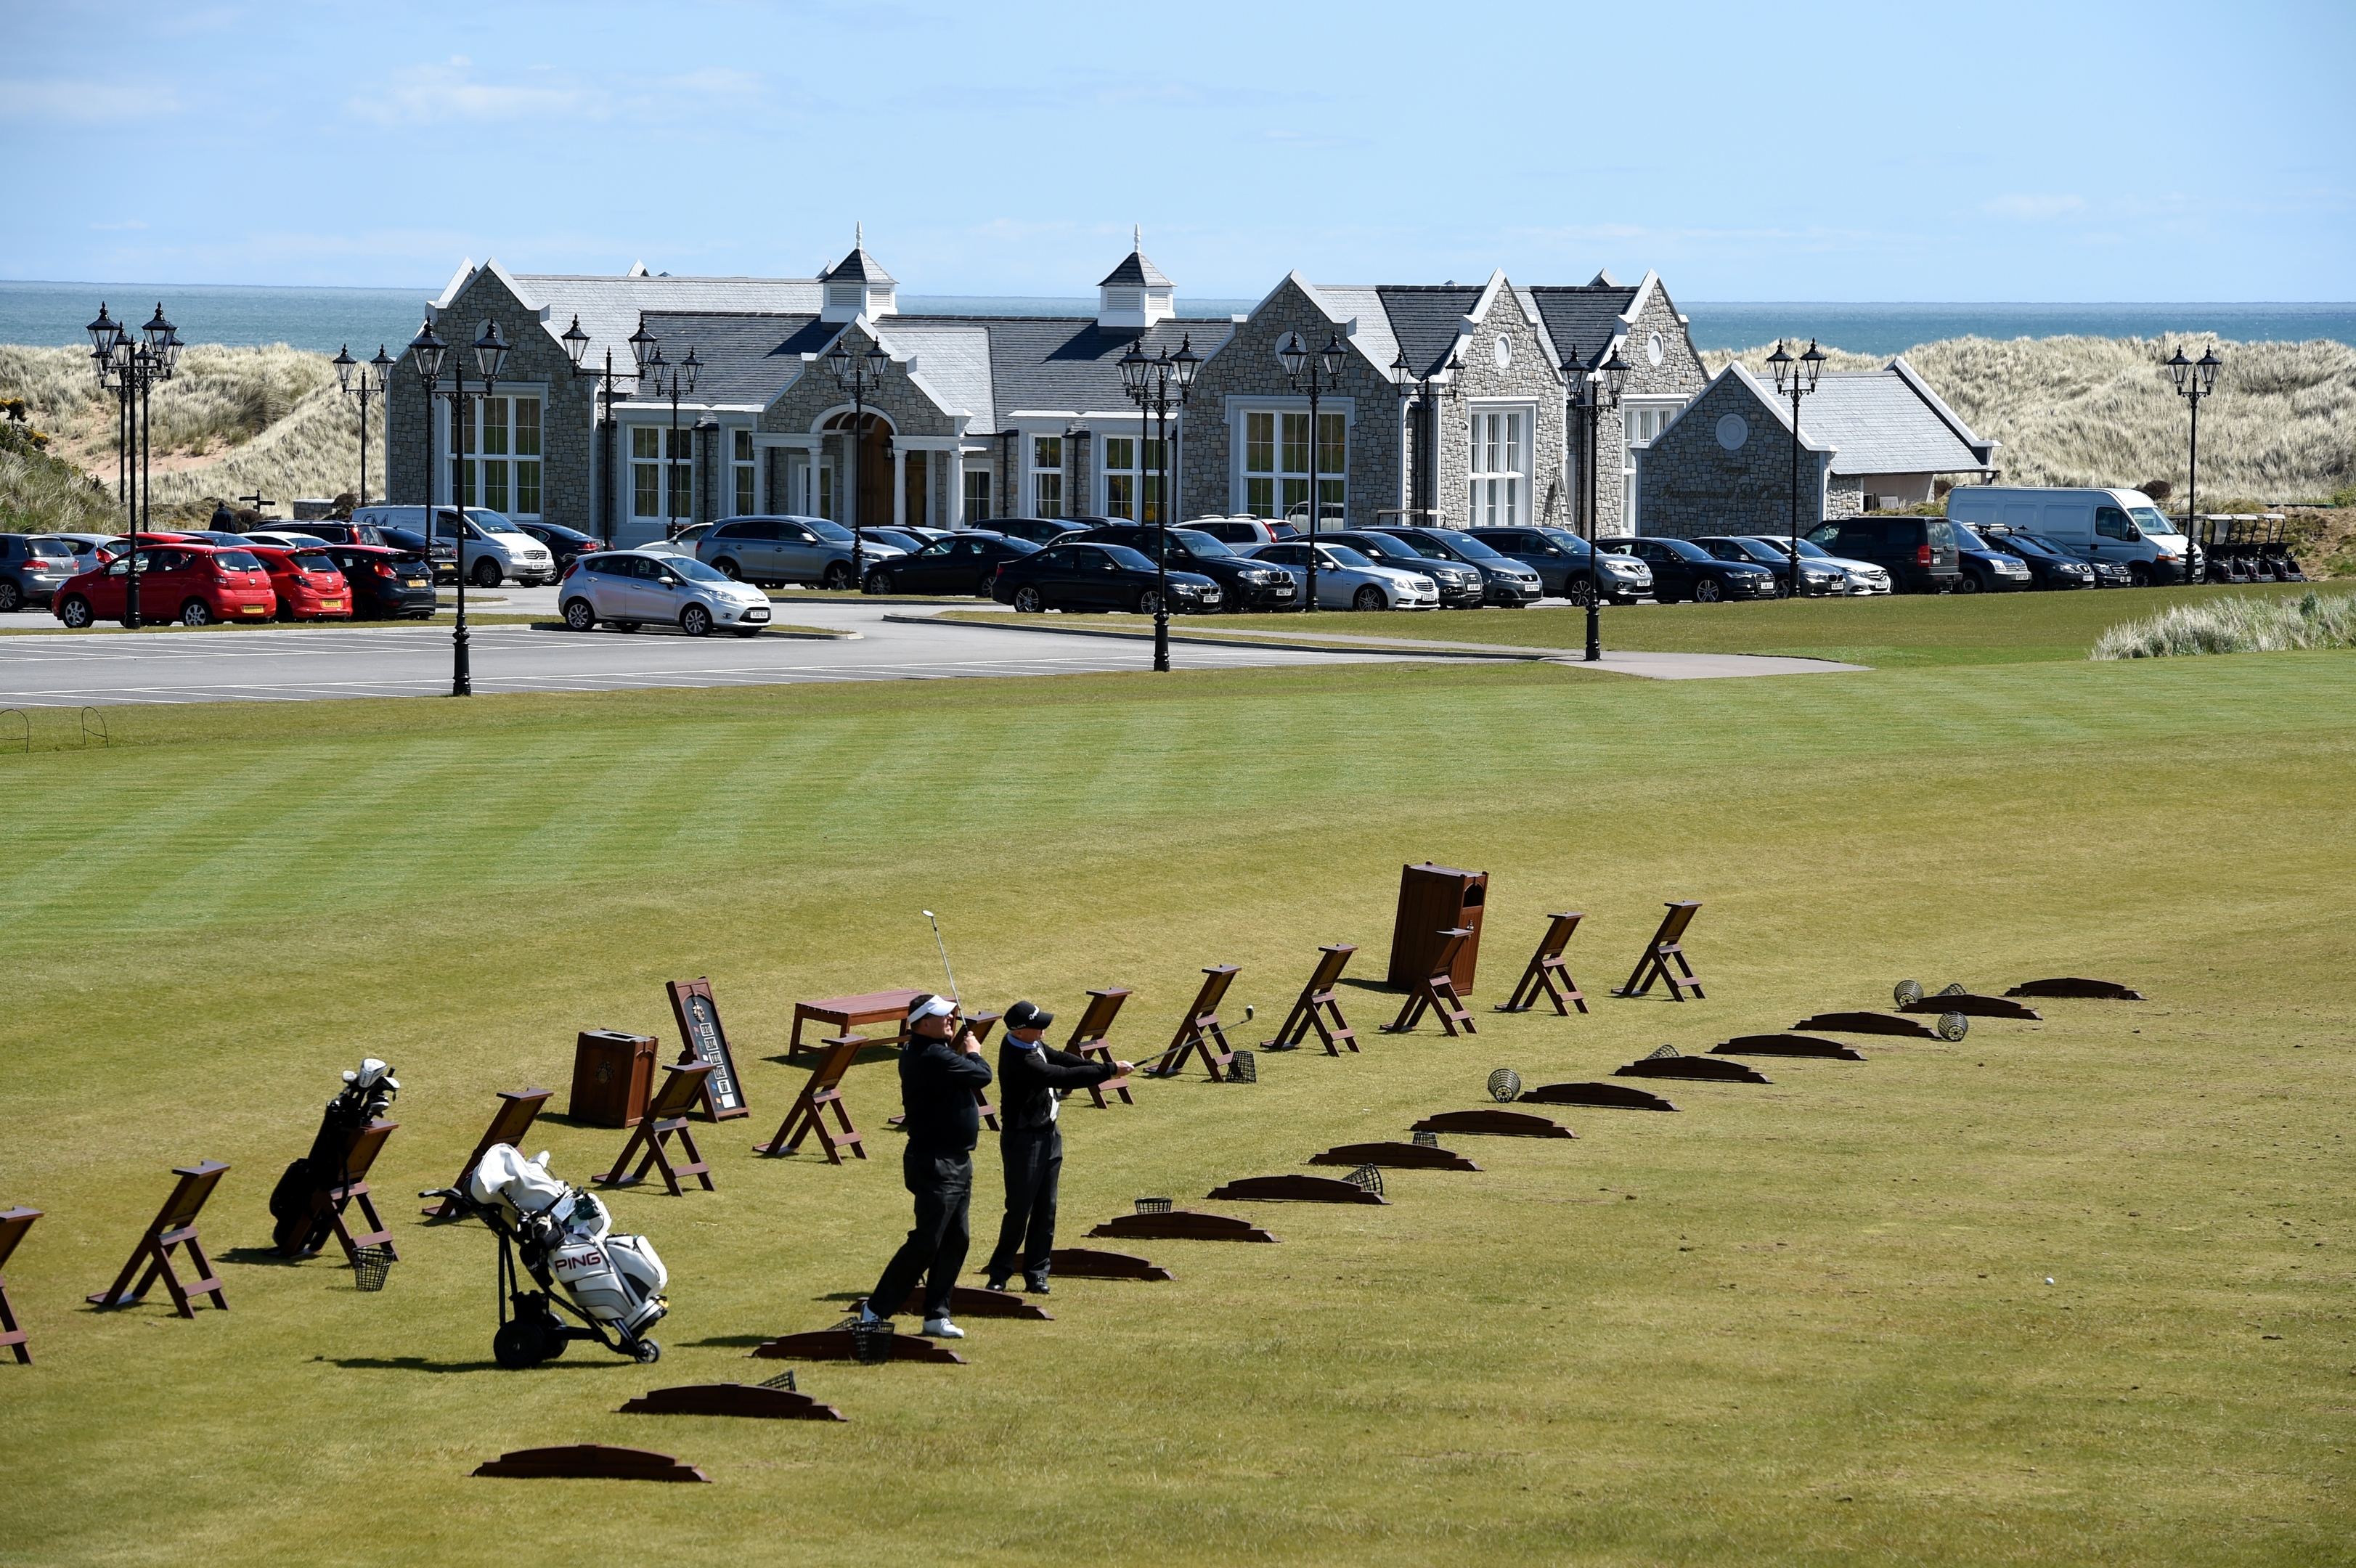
(872, 466)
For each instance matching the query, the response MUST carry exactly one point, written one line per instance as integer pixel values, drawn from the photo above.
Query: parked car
(1504, 583)
(32, 570)
(1038, 530)
(215, 536)
(1244, 584)
(907, 541)
(274, 539)
(1682, 569)
(2107, 573)
(441, 555)
(2120, 527)
(1460, 586)
(1986, 570)
(564, 544)
(1864, 577)
(1096, 577)
(768, 549)
(494, 548)
(307, 584)
(1347, 579)
(335, 532)
(386, 585)
(1818, 579)
(1919, 553)
(961, 563)
(1559, 557)
(195, 584)
(2050, 566)
(89, 549)
(682, 543)
(635, 588)
(1243, 533)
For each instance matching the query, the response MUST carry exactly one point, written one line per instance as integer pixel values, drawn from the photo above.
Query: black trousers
(1033, 1158)
(936, 1246)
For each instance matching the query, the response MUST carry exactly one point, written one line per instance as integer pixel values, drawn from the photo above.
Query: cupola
(1134, 295)
(858, 285)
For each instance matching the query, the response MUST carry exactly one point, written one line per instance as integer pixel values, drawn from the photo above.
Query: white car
(494, 548)
(1864, 577)
(683, 543)
(634, 588)
(277, 539)
(1349, 581)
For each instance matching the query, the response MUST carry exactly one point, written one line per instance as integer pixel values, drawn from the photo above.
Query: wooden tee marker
(1655, 964)
(823, 1091)
(514, 1119)
(1087, 1042)
(1545, 966)
(13, 1224)
(1317, 1000)
(360, 1154)
(1200, 1028)
(755, 1400)
(174, 1225)
(1437, 991)
(705, 1040)
(683, 1085)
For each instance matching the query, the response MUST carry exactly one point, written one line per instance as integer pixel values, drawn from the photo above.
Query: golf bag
(299, 1205)
(612, 1283)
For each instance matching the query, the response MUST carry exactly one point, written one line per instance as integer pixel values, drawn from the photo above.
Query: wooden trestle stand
(1316, 1001)
(174, 1225)
(1087, 1042)
(1437, 991)
(824, 1090)
(360, 1154)
(13, 1224)
(1545, 967)
(1655, 964)
(518, 1108)
(1200, 1030)
(683, 1087)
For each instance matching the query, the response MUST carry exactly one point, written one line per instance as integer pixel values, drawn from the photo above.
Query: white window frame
(682, 469)
(1635, 415)
(510, 461)
(980, 495)
(1045, 475)
(743, 470)
(1139, 476)
(1500, 463)
(1287, 486)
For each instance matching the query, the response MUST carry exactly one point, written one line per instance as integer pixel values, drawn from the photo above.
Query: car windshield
(491, 522)
(1567, 539)
(1683, 550)
(50, 547)
(694, 571)
(1393, 544)
(2149, 520)
(835, 532)
(236, 560)
(1124, 555)
(2033, 544)
(1199, 543)
(896, 539)
(315, 563)
(1467, 547)
(1343, 556)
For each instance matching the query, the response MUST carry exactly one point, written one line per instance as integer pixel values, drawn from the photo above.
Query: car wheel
(2141, 575)
(1580, 590)
(195, 613)
(580, 615)
(1148, 603)
(879, 581)
(76, 612)
(727, 568)
(981, 585)
(1706, 592)
(1368, 598)
(12, 598)
(837, 577)
(695, 621)
(1969, 583)
(487, 573)
(1027, 600)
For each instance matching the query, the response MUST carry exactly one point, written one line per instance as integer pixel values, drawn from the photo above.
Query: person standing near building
(1030, 1145)
(940, 1067)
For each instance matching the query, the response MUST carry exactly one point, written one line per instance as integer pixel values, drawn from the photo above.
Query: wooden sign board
(707, 1041)
(1434, 899)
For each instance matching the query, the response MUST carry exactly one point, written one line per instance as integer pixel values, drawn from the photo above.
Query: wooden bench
(847, 1014)
(1317, 999)
(1546, 967)
(1655, 964)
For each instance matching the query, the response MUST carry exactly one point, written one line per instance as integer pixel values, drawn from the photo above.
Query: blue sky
(1794, 151)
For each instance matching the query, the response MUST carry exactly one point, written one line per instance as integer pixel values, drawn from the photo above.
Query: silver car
(788, 550)
(634, 588)
(1864, 577)
(1349, 581)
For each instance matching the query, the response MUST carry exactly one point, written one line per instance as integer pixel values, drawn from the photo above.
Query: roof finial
(1137, 239)
(859, 237)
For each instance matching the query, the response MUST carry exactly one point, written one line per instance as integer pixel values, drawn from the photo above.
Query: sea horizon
(36, 313)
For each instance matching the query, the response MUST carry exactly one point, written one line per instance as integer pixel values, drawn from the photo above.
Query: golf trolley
(613, 1284)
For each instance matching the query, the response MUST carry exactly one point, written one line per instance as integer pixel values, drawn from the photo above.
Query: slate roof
(1068, 362)
(857, 267)
(608, 307)
(748, 356)
(1581, 321)
(1878, 422)
(1425, 321)
(1135, 272)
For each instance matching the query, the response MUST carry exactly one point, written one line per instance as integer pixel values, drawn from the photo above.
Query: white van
(495, 548)
(2122, 526)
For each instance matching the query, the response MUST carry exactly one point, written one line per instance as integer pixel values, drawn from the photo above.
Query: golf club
(945, 959)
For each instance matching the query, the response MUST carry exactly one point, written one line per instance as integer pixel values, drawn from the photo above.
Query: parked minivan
(2121, 526)
(1919, 553)
(494, 548)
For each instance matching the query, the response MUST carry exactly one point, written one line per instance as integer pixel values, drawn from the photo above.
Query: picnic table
(848, 1014)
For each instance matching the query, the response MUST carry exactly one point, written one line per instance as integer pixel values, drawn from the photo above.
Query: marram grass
(2240, 625)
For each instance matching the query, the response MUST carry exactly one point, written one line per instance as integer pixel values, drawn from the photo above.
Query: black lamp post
(129, 365)
(673, 381)
(576, 344)
(1148, 382)
(1795, 379)
(1423, 391)
(2195, 380)
(365, 379)
(1595, 392)
(432, 357)
(860, 378)
(1323, 373)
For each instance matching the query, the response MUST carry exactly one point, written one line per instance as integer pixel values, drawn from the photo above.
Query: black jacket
(1031, 1079)
(937, 1086)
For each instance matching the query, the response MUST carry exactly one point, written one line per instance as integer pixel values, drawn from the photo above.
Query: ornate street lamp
(129, 365)
(1594, 392)
(1323, 373)
(433, 355)
(2195, 380)
(1148, 383)
(576, 344)
(364, 379)
(1795, 379)
(860, 380)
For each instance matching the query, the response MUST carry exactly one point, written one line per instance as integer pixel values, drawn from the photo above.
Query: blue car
(1986, 570)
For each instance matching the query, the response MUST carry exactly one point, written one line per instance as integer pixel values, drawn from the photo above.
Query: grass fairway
(1804, 1323)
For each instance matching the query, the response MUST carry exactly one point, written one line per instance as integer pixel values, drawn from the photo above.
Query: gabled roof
(1071, 363)
(1135, 272)
(1426, 322)
(859, 267)
(609, 307)
(748, 358)
(1583, 320)
(1889, 422)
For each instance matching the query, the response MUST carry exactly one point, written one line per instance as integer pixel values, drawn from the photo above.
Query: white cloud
(84, 102)
(2034, 209)
(428, 94)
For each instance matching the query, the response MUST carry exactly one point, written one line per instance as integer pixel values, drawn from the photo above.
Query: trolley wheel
(647, 1351)
(520, 1343)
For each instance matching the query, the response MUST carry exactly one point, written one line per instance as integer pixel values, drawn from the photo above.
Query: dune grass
(1805, 1322)
(2272, 624)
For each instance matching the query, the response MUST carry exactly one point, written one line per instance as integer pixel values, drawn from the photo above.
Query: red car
(308, 586)
(194, 584)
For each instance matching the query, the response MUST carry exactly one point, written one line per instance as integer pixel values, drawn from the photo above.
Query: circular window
(1732, 431)
(1653, 349)
(1504, 352)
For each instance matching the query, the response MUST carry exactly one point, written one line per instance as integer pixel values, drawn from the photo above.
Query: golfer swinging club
(939, 1070)
(1032, 1145)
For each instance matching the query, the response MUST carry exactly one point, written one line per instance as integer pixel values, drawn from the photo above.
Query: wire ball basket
(1954, 1025)
(1666, 1052)
(1906, 992)
(1154, 1205)
(1427, 1140)
(1504, 1085)
(370, 1266)
(1244, 1068)
(1953, 989)
(1367, 1179)
(870, 1341)
(784, 1380)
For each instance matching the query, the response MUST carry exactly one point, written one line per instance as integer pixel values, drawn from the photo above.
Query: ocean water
(52, 313)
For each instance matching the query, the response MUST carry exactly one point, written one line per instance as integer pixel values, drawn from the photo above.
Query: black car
(1038, 530)
(2050, 566)
(1818, 579)
(1504, 581)
(564, 544)
(1244, 584)
(1986, 570)
(1682, 569)
(1919, 553)
(962, 564)
(1461, 587)
(2107, 573)
(1559, 557)
(32, 571)
(444, 553)
(386, 584)
(1095, 577)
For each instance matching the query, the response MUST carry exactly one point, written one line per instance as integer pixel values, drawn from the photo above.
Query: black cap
(1028, 1015)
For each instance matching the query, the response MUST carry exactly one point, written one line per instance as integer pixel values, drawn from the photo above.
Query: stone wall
(1680, 372)
(1724, 467)
(1528, 379)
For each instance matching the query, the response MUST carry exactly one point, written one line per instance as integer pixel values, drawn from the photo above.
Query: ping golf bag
(299, 1204)
(612, 1283)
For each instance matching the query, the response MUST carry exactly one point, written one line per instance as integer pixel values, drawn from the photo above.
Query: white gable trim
(1923, 390)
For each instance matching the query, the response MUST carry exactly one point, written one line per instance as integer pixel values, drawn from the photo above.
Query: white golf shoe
(942, 1328)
